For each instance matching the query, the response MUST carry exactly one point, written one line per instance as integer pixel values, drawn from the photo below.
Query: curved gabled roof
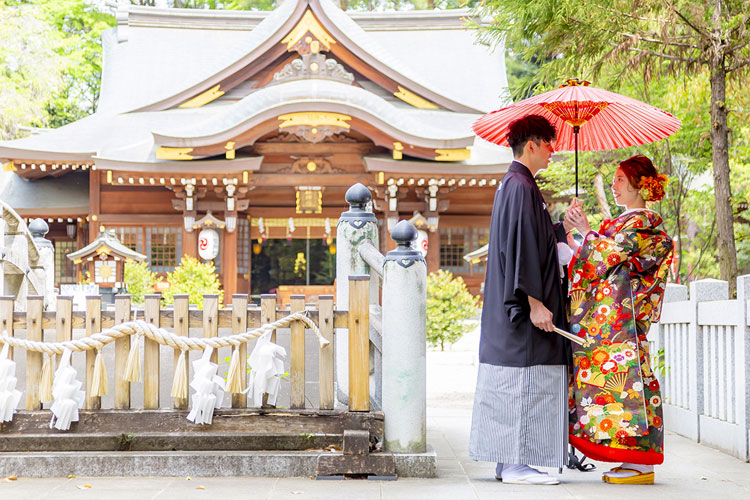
(202, 73)
(416, 127)
(359, 42)
(197, 70)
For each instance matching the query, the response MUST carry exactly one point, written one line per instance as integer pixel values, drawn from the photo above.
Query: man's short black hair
(529, 128)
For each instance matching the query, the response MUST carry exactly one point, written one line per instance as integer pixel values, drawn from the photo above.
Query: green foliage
(139, 280)
(194, 278)
(449, 303)
(251, 5)
(30, 67)
(50, 62)
(80, 24)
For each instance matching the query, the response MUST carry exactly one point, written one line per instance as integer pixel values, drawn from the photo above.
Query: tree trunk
(720, 158)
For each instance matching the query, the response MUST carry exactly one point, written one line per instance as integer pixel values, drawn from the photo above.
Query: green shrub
(449, 303)
(139, 280)
(194, 278)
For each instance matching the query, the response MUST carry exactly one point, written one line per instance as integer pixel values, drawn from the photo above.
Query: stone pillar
(404, 344)
(354, 226)
(742, 370)
(38, 229)
(700, 291)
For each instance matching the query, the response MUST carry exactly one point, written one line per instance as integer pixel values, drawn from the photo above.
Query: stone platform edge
(190, 463)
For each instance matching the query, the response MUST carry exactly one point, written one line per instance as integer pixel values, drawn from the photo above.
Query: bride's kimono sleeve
(642, 247)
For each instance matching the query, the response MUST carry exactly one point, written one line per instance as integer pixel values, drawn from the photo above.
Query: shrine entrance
(293, 266)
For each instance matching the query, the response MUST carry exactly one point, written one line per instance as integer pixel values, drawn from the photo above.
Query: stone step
(191, 463)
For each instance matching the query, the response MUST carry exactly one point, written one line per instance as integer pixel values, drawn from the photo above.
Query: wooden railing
(179, 319)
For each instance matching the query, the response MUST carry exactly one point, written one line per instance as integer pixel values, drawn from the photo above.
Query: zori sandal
(620, 475)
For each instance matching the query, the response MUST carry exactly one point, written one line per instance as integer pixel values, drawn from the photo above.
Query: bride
(617, 282)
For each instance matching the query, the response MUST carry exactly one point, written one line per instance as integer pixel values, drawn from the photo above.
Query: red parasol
(598, 119)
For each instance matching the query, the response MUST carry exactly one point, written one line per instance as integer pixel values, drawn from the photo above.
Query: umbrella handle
(576, 129)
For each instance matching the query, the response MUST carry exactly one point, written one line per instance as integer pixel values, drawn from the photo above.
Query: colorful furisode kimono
(617, 283)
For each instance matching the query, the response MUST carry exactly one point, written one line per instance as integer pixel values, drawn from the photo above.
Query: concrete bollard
(404, 344)
(354, 226)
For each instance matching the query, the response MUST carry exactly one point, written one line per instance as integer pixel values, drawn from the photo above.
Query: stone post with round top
(356, 225)
(404, 343)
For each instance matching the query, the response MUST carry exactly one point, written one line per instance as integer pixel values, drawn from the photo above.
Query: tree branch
(687, 21)
(737, 66)
(660, 42)
(736, 46)
(703, 250)
(637, 18)
(665, 56)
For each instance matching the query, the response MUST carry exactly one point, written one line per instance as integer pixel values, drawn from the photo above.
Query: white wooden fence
(706, 348)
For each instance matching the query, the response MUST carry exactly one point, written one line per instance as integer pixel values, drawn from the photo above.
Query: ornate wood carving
(314, 66)
(314, 126)
(308, 36)
(285, 137)
(311, 165)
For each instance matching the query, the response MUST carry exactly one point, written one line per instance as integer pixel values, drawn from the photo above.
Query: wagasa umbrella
(586, 118)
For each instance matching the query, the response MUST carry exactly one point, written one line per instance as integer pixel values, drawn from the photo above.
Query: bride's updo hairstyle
(643, 176)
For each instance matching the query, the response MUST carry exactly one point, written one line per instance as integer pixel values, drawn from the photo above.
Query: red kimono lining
(603, 453)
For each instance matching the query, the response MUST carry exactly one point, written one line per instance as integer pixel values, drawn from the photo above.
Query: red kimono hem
(602, 453)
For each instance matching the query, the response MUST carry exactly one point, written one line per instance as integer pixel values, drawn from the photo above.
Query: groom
(521, 406)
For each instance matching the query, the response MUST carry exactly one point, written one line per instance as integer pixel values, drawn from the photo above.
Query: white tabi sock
(643, 469)
(523, 474)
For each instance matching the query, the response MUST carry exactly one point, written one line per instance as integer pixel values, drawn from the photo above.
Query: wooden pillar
(93, 325)
(6, 317)
(151, 358)
(63, 321)
(229, 265)
(34, 360)
(250, 267)
(359, 343)
(122, 349)
(433, 251)
(211, 320)
(182, 328)
(239, 325)
(95, 180)
(325, 356)
(190, 243)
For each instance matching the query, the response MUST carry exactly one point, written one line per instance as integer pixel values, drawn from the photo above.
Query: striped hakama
(521, 415)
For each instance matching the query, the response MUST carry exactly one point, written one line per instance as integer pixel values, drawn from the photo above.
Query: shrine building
(254, 124)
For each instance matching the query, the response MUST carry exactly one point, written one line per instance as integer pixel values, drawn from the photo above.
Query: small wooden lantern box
(105, 258)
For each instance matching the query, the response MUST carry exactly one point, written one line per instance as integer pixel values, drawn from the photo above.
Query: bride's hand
(575, 217)
(568, 223)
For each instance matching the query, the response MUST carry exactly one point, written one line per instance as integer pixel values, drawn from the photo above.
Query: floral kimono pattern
(617, 283)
